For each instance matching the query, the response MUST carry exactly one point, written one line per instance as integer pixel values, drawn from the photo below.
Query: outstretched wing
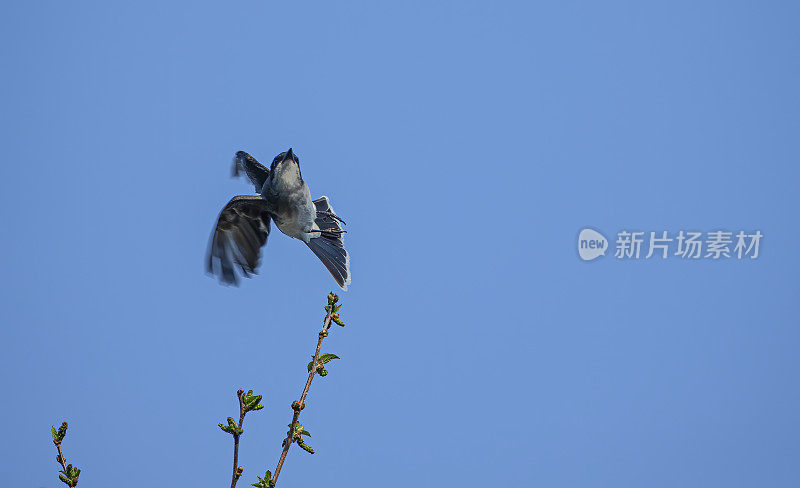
(256, 171)
(329, 245)
(241, 232)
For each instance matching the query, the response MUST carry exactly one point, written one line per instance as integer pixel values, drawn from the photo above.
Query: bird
(282, 197)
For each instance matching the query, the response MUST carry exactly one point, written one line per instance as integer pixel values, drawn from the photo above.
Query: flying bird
(283, 197)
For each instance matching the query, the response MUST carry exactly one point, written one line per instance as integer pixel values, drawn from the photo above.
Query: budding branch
(299, 405)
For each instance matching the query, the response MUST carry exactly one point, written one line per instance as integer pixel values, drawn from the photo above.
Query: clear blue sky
(466, 143)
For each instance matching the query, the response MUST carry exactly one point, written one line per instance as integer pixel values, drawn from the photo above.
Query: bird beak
(289, 155)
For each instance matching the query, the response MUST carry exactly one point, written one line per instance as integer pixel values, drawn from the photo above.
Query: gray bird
(243, 225)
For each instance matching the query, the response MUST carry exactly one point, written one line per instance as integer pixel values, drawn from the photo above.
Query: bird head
(286, 165)
(286, 157)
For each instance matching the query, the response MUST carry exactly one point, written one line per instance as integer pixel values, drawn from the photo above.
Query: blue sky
(466, 144)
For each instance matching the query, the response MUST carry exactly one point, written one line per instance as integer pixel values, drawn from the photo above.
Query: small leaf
(55, 432)
(325, 358)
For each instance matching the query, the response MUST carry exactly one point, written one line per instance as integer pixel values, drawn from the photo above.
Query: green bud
(251, 402)
(306, 447)
(62, 432)
(265, 482)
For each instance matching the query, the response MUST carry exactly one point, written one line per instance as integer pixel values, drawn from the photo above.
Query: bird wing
(241, 232)
(256, 172)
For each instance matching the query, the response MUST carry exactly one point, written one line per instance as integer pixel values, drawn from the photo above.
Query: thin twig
(247, 403)
(69, 474)
(60, 458)
(299, 405)
(237, 470)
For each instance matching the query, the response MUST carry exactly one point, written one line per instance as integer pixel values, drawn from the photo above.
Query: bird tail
(329, 246)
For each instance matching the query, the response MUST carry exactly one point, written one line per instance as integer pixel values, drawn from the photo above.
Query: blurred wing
(241, 232)
(255, 171)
